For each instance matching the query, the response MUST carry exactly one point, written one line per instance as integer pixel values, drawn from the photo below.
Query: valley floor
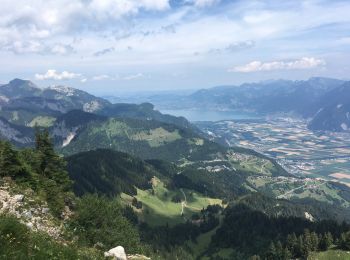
(299, 150)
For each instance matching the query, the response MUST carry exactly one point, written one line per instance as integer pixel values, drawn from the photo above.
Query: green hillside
(162, 211)
(112, 173)
(330, 255)
(109, 172)
(155, 140)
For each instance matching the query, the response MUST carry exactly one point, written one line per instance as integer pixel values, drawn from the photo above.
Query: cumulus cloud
(52, 74)
(303, 63)
(28, 26)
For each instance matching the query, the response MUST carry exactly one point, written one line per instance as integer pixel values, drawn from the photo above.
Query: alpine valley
(81, 175)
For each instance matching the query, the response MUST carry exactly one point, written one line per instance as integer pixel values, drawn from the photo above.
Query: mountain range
(143, 132)
(323, 102)
(179, 190)
(24, 103)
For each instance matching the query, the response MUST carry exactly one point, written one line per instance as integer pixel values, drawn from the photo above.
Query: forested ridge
(248, 225)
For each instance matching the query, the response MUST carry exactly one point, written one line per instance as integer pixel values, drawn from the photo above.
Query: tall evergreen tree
(286, 254)
(279, 250)
(271, 253)
(292, 243)
(307, 242)
(326, 241)
(10, 164)
(314, 241)
(52, 168)
(344, 241)
(51, 165)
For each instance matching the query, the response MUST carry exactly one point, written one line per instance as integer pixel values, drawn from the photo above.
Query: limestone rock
(118, 253)
(45, 210)
(27, 214)
(29, 225)
(18, 198)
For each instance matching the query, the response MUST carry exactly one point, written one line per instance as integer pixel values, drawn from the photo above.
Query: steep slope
(146, 139)
(109, 172)
(155, 140)
(18, 135)
(334, 111)
(23, 103)
(148, 186)
(19, 88)
(68, 125)
(75, 98)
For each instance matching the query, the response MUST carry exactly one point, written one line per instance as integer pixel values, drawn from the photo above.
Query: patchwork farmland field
(299, 150)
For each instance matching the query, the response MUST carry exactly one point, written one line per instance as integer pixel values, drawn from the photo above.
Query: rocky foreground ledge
(118, 253)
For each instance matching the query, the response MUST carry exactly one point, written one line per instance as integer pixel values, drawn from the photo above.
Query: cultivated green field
(159, 209)
(296, 148)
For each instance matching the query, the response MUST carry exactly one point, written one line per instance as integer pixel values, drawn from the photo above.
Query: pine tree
(52, 168)
(326, 241)
(287, 255)
(314, 241)
(51, 165)
(329, 239)
(307, 241)
(344, 241)
(271, 253)
(300, 247)
(10, 164)
(279, 250)
(292, 242)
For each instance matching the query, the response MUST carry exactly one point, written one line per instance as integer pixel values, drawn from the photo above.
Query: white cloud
(101, 77)
(133, 76)
(117, 77)
(54, 75)
(119, 8)
(303, 63)
(203, 3)
(37, 47)
(164, 38)
(60, 48)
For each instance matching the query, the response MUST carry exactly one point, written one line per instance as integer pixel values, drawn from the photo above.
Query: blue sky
(110, 46)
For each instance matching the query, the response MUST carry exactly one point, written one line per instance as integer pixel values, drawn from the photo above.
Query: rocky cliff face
(15, 134)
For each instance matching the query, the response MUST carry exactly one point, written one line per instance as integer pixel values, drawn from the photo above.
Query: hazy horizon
(116, 92)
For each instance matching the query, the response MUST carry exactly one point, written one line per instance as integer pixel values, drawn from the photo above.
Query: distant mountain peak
(19, 82)
(68, 91)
